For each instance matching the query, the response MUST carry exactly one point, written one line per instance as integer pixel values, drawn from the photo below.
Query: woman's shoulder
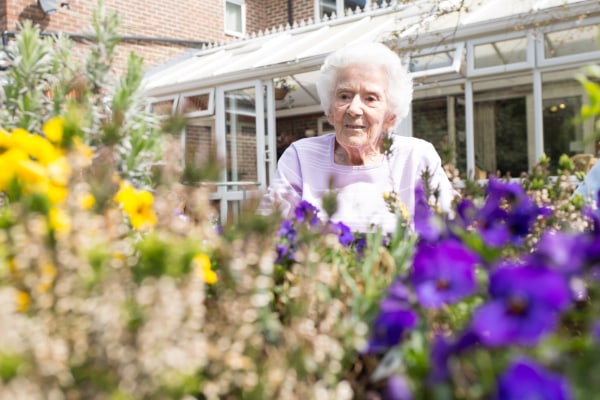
(410, 143)
(313, 142)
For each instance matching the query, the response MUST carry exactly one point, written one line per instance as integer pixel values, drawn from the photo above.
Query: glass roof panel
(503, 52)
(572, 41)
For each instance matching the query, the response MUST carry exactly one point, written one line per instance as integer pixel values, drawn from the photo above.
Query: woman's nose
(355, 106)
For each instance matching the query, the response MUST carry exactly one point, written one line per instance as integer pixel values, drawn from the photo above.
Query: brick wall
(182, 19)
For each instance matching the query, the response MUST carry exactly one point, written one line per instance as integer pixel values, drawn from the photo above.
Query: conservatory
(495, 87)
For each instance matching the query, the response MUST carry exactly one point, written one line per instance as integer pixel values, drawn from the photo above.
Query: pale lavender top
(307, 168)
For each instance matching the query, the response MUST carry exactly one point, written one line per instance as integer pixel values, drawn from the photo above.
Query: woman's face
(359, 110)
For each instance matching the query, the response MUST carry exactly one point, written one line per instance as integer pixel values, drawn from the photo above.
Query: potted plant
(282, 87)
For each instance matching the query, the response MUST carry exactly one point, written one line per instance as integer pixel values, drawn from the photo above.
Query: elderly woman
(365, 92)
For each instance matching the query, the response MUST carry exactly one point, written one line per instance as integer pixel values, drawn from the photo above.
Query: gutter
(149, 39)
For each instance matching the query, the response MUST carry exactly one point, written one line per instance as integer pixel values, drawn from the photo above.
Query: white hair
(399, 88)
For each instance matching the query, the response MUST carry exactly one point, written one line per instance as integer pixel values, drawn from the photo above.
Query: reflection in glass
(501, 137)
(561, 134)
(432, 61)
(503, 52)
(571, 41)
(441, 122)
(241, 135)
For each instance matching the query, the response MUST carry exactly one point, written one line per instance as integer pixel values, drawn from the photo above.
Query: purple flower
(525, 379)
(443, 273)
(443, 348)
(525, 304)
(394, 318)
(508, 214)
(287, 231)
(285, 252)
(427, 225)
(562, 250)
(343, 232)
(397, 389)
(305, 211)
(595, 331)
(389, 328)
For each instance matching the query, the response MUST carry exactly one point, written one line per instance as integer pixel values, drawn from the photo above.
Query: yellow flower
(86, 201)
(48, 272)
(30, 171)
(8, 161)
(59, 171)
(203, 268)
(22, 301)
(85, 152)
(36, 146)
(137, 204)
(59, 220)
(54, 129)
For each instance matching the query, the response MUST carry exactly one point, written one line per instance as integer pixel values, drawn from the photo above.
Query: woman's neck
(366, 155)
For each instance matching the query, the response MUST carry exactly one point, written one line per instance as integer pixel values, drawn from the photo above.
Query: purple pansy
(394, 318)
(443, 273)
(343, 232)
(427, 224)
(397, 389)
(561, 250)
(525, 304)
(595, 331)
(443, 348)
(525, 379)
(305, 211)
(287, 231)
(508, 214)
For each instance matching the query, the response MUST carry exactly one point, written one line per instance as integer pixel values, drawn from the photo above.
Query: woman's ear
(389, 123)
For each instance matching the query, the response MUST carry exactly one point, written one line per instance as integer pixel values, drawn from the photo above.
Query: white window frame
(201, 113)
(573, 58)
(454, 68)
(242, 4)
(519, 66)
(155, 100)
(339, 9)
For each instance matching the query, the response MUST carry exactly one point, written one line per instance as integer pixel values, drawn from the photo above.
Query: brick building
(158, 30)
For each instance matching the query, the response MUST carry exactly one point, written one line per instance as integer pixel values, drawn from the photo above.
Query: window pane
(162, 108)
(196, 103)
(241, 135)
(233, 17)
(561, 134)
(440, 120)
(431, 61)
(501, 53)
(501, 137)
(200, 158)
(571, 41)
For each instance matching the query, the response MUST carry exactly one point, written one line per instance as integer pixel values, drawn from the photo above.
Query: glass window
(498, 53)
(326, 8)
(197, 104)
(501, 136)
(240, 118)
(432, 61)
(162, 108)
(561, 134)
(234, 17)
(571, 41)
(441, 122)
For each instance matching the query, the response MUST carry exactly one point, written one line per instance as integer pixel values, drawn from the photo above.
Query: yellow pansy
(59, 171)
(137, 204)
(54, 129)
(59, 220)
(30, 171)
(23, 299)
(203, 268)
(48, 273)
(86, 201)
(36, 146)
